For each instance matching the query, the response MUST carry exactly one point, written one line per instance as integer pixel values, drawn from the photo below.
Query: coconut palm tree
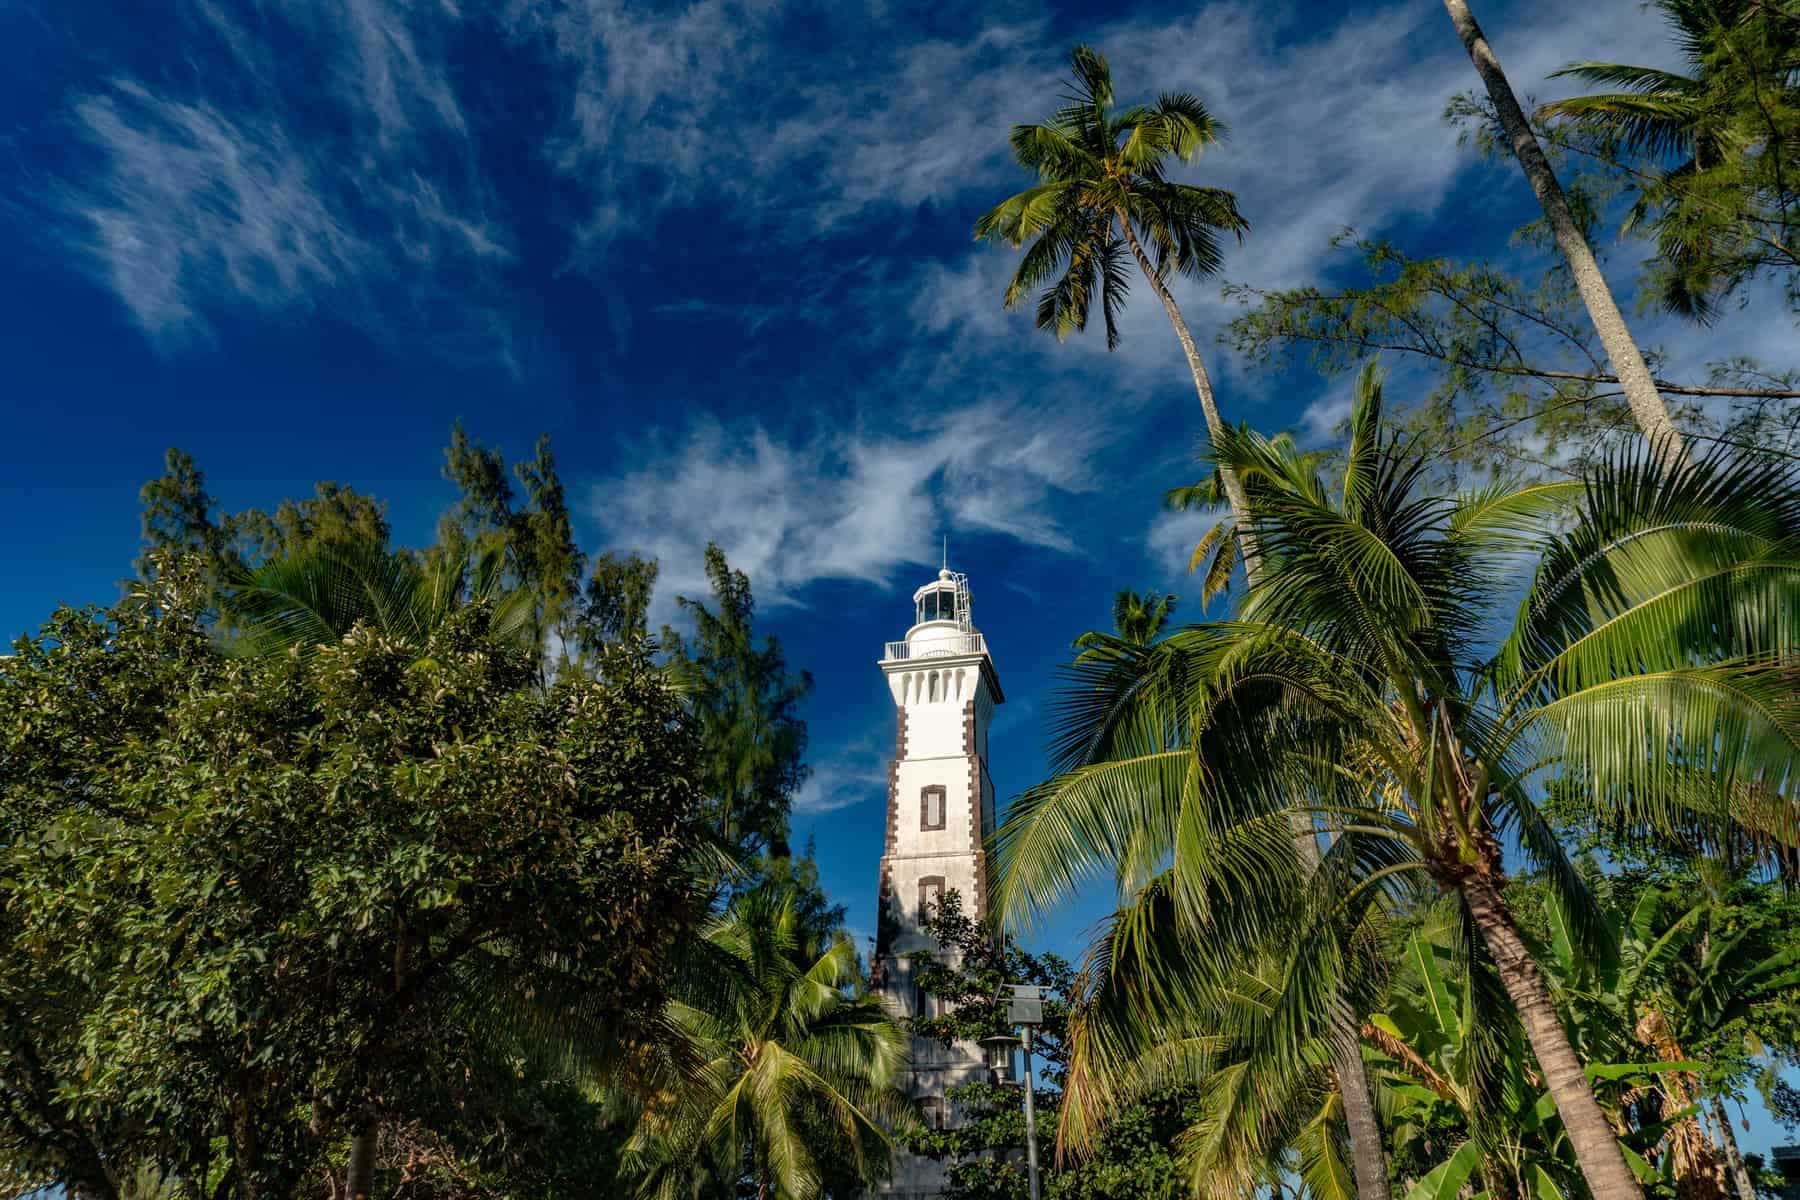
(1719, 139)
(1103, 193)
(1162, 1008)
(1622, 350)
(1138, 618)
(1651, 661)
(1217, 548)
(799, 1065)
(315, 597)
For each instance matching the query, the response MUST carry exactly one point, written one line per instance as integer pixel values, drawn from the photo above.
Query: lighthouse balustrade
(962, 643)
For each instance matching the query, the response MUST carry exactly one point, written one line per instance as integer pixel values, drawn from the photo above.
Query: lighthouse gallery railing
(964, 643)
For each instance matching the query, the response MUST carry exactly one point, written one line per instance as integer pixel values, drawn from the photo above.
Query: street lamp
(997, 1051)
(1025, 1012)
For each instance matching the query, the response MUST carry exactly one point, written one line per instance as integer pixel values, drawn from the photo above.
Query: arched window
(931, 807)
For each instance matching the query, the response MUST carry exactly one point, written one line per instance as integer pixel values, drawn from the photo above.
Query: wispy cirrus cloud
(853, 774)
(194, 203)
(252, 189)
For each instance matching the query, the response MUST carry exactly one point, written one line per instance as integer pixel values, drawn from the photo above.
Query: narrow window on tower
(931, 1111)
(931, 807)
(931, 896)
(924, 1004)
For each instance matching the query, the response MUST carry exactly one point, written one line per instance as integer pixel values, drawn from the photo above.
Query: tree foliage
(1709, 152)
(1518, 379)
(984, 1149)
(244, 894)
(746, 703)
(797, 1062)
(180, 516)
(1103, 197)
(1360, 682)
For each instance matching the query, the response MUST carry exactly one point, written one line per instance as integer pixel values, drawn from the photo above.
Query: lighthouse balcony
(940, 644)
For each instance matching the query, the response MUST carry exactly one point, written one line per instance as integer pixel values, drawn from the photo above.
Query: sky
(721, 253)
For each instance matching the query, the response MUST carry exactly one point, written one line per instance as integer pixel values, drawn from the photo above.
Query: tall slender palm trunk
(1740, 1174)
(1367, 1156)
(1622, 351)
(1209, 407)
(1595, 1144)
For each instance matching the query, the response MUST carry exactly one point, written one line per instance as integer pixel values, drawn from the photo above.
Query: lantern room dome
(943, 620)
(936, 601)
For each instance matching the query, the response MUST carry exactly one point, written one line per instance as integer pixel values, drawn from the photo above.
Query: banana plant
(1468, 1106)
(1697, 975)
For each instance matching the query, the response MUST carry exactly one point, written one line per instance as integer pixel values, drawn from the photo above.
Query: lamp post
(1025, 1012)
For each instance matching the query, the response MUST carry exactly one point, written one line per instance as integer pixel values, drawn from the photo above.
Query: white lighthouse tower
(940, 812)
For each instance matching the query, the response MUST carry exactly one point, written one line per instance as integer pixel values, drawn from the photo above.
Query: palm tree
(1138, 618)
(1622, 351)
(1651, 661)
(1720, 137)
(1220, 543)
(799, 1064)
(1103, 191)
(315, 597)
(1161, 1008)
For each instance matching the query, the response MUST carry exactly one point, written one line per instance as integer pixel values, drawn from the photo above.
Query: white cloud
(701, 102)
(238, 192)
(195, 204)
(1173, 536)
(853, 774)
(854, 505)
(392, 75)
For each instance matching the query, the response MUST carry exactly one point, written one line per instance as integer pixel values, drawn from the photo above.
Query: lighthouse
(940, 811)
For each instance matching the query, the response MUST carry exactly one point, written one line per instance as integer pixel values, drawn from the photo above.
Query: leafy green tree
(1711, 151)
(219, 866)
(616, 600)
(180, 516)
(1518, 379)
(985, 1149)
(746, 703)
(797, 1065)
(532, 536)
(1359, 683)
(178, 512)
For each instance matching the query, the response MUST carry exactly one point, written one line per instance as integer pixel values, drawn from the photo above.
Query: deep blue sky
(720, 253)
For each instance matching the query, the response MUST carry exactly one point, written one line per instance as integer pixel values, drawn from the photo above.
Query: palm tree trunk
(1368, 1160)
(1596, 1148)
(359, 1180)
(1367, 1156)
(1740, 1174)
(1621, 350)
(1215, 426)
